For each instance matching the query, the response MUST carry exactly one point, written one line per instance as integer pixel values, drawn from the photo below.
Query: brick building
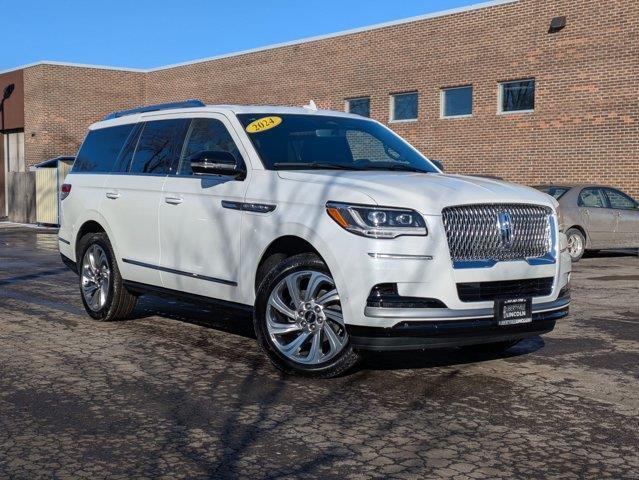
(539, 103)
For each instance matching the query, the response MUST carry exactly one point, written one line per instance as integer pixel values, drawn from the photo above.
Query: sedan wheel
(576, 244)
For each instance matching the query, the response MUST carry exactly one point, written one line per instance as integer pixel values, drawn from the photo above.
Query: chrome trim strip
(248, 206)
(60, 239)
(179, 272)
(399, 256)
(438, 314)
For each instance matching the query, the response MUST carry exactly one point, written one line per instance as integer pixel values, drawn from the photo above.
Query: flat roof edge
(71, 64)
(427, 16)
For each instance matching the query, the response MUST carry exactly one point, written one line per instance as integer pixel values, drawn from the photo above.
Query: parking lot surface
(183, 392)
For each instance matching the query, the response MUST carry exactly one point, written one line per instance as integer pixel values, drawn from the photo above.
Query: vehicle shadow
(239, 322)
(228, 320)
(445, 357)
(629, 252)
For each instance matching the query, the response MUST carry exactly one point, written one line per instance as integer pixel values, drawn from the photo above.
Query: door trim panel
(180, 272)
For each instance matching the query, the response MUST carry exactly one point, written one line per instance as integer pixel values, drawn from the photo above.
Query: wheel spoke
(328, 297)
(95, 299)
(277, 303)
(315, 351)
(335, 342)
(334, 315)
(313, 284)
(294, 290)
(293, 348)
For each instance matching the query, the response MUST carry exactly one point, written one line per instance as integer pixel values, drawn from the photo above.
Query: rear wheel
(101, 288)
(299, 322)
(576, 244)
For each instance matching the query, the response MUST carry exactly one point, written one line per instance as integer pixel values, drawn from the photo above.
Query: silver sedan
(596, 217)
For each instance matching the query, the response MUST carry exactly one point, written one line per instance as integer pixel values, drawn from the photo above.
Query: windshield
(556, 192)
(292, 141)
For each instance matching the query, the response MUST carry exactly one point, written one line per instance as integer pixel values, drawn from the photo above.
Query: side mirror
(216, 162)
(438, 164)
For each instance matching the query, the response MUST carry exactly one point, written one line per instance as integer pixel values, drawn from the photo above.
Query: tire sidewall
(103, 241)
(272, 279)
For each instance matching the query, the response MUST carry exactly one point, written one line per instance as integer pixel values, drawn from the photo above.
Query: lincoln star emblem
(505, 229)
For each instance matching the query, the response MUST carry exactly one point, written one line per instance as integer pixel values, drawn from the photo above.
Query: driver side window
(206, 134)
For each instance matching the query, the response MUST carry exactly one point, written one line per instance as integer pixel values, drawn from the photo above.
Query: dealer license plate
(513, 311)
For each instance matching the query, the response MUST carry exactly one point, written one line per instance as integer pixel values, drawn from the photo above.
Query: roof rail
(152, 108)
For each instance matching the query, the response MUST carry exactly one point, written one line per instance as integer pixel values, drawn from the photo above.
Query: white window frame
(347, 103)
(391, 115)
(500, 96)
(442, 97)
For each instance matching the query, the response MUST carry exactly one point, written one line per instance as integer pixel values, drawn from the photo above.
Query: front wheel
(299, 321)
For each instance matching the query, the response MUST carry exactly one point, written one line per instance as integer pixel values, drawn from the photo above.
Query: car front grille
(497, 231)
(488, 291)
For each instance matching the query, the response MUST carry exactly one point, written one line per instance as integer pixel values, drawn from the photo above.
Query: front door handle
(173, 200)
(113, 195)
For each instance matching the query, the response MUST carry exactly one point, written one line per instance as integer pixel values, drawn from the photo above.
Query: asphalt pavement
(182, 391)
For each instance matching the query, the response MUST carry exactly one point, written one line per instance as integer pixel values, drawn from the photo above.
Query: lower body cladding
(417, 335)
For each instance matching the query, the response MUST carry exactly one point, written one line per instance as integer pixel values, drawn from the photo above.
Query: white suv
(338, 234)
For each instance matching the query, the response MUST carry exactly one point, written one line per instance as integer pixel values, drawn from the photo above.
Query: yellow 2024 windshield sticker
(263, 124)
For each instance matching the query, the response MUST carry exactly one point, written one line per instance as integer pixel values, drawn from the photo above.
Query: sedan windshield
(301, 142)
(556, 192)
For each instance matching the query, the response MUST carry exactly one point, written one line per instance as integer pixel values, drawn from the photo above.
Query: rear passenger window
(620, 200)
(592, 197)
(156, 149)
(206, 134)
(101, 148)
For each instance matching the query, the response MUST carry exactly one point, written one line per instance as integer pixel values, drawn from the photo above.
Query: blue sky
(145, 33)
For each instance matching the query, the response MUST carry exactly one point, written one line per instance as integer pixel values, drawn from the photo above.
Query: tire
(497, 347)
(307, 337)
(110, 300)
(576, 244)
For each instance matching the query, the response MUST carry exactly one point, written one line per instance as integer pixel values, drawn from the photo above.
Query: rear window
(101, 148)
(556, 192)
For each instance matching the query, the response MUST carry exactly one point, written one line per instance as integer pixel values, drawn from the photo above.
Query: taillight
(65, 190)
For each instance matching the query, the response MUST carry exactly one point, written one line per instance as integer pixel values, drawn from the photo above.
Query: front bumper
(419, 332)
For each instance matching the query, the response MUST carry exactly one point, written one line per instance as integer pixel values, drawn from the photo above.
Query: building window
(457, 102)
(517, 96)
(14, 151)
(359, 106)
(404, 107)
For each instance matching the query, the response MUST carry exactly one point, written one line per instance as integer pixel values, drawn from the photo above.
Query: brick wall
(585, 127)
(60, 102)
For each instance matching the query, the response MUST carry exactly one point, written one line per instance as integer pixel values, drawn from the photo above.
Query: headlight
(377, 222)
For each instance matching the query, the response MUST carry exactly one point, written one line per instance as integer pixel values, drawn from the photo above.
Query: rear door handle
(112, 195)
(173, 200)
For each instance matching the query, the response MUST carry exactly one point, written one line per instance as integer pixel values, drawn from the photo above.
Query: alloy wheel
(575, 246)
(304, 318)
(96, 277)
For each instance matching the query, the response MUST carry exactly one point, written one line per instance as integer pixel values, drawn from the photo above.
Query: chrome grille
(475, 232)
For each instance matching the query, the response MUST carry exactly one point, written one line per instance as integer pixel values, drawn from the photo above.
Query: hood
(427, 193)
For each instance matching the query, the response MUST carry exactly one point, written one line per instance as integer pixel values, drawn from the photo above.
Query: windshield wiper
(397, 167)
(313, 165)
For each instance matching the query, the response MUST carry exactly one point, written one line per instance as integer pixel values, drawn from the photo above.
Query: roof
(233, 109)
(452, 11)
